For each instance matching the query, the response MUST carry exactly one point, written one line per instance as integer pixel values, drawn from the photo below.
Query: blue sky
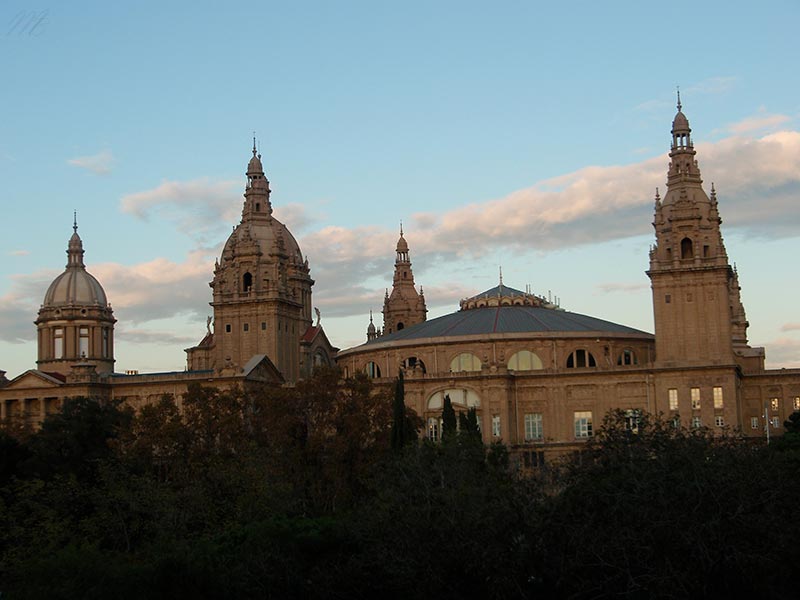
(520, 134)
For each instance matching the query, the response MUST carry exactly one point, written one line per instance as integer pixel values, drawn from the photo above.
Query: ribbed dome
(75, 286)
(270, 234)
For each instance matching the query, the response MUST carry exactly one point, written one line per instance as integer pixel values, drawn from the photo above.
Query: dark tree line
(324, 491)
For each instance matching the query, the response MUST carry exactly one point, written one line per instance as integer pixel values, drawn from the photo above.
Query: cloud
(782, 353)
(99, 164)
(18, 307)
(760, 181)
(612, 288)
(19, 253)
(146, 336)
(713, 85)
(200, 208)
(159, 288)
(759, 122)
(790, 327)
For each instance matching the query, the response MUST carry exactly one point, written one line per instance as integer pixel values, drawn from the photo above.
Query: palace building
(540, 377)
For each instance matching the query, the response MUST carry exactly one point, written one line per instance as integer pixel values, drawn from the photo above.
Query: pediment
(33, 379)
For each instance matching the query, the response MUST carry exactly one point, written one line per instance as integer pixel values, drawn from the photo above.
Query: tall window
(83, 347)
(105, 343)
(695, 398)
(533, 426)
(583, 424)
(796, 403)
(718, 402)
(372, 369)
(753, 422)
(58, 343)
(496, 425)
(774, 403)
(628, 357)
(434, 427)
(673, 399)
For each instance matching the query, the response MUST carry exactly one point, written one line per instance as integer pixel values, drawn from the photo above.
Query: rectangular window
(496, 425)
(632, 417)
(105, 343)
(263, 325)
(774, 403)
(776, 422)
(433, 429)
(83, 346)
(719, 421)
(533, 459)
(246, 327)
(718, 402)
(696, 423)
(667, 298)
(533, 426)
(583, 424)
(796, 403)
(695, 398)
(673, 399)
(58, 349)
(228, 328)
(753, 422)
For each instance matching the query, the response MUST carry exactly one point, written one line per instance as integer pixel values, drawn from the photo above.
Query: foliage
(298, 492)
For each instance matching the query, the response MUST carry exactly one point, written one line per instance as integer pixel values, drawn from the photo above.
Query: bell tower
(261, 289)
(698, 313)
(404, 306)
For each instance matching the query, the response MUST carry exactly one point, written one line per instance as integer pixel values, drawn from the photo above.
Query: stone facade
(262, 327)
(542, 389)
(541, 378)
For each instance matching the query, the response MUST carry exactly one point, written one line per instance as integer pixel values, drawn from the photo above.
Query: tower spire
(75, 221)
(679, 98)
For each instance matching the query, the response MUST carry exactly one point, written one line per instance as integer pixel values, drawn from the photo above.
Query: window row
(695, 397)
(83, 343)
(533, 426)
(524, 360)
(775, 403)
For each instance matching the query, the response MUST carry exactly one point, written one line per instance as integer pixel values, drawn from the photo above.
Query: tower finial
(401, 228)
(501, 275)
(75, 221)
(254, 144)
(679, 97)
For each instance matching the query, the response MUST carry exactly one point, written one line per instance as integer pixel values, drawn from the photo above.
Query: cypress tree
(399, 433)
(448, 418)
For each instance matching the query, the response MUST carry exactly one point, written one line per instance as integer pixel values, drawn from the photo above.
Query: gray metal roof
(505, 319)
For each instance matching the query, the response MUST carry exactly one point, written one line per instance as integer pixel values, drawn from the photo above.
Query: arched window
(580, 359)
(465, 362)
(686, 248)
(247, 282)
(459, 397)
(372, 370)
(400, 326)
(525, 360)
(412, 363)
(627, 357)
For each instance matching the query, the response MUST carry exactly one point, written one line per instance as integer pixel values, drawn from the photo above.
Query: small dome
(680, 123)
(255, 166)
(75, 286)
(402, 244)
(267, 234)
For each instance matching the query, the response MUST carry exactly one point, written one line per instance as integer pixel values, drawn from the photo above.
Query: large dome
(270, 235)
(75, 286)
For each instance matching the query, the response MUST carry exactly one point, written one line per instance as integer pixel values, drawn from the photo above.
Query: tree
(448, 419)
(405, 423)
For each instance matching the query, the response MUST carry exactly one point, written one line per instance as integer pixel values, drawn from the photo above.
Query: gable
(33, 379)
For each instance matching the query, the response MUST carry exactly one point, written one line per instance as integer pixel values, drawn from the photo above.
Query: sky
(524, 135)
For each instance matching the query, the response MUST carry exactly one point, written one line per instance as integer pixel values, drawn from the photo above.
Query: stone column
(3, 410)
(42, 409)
